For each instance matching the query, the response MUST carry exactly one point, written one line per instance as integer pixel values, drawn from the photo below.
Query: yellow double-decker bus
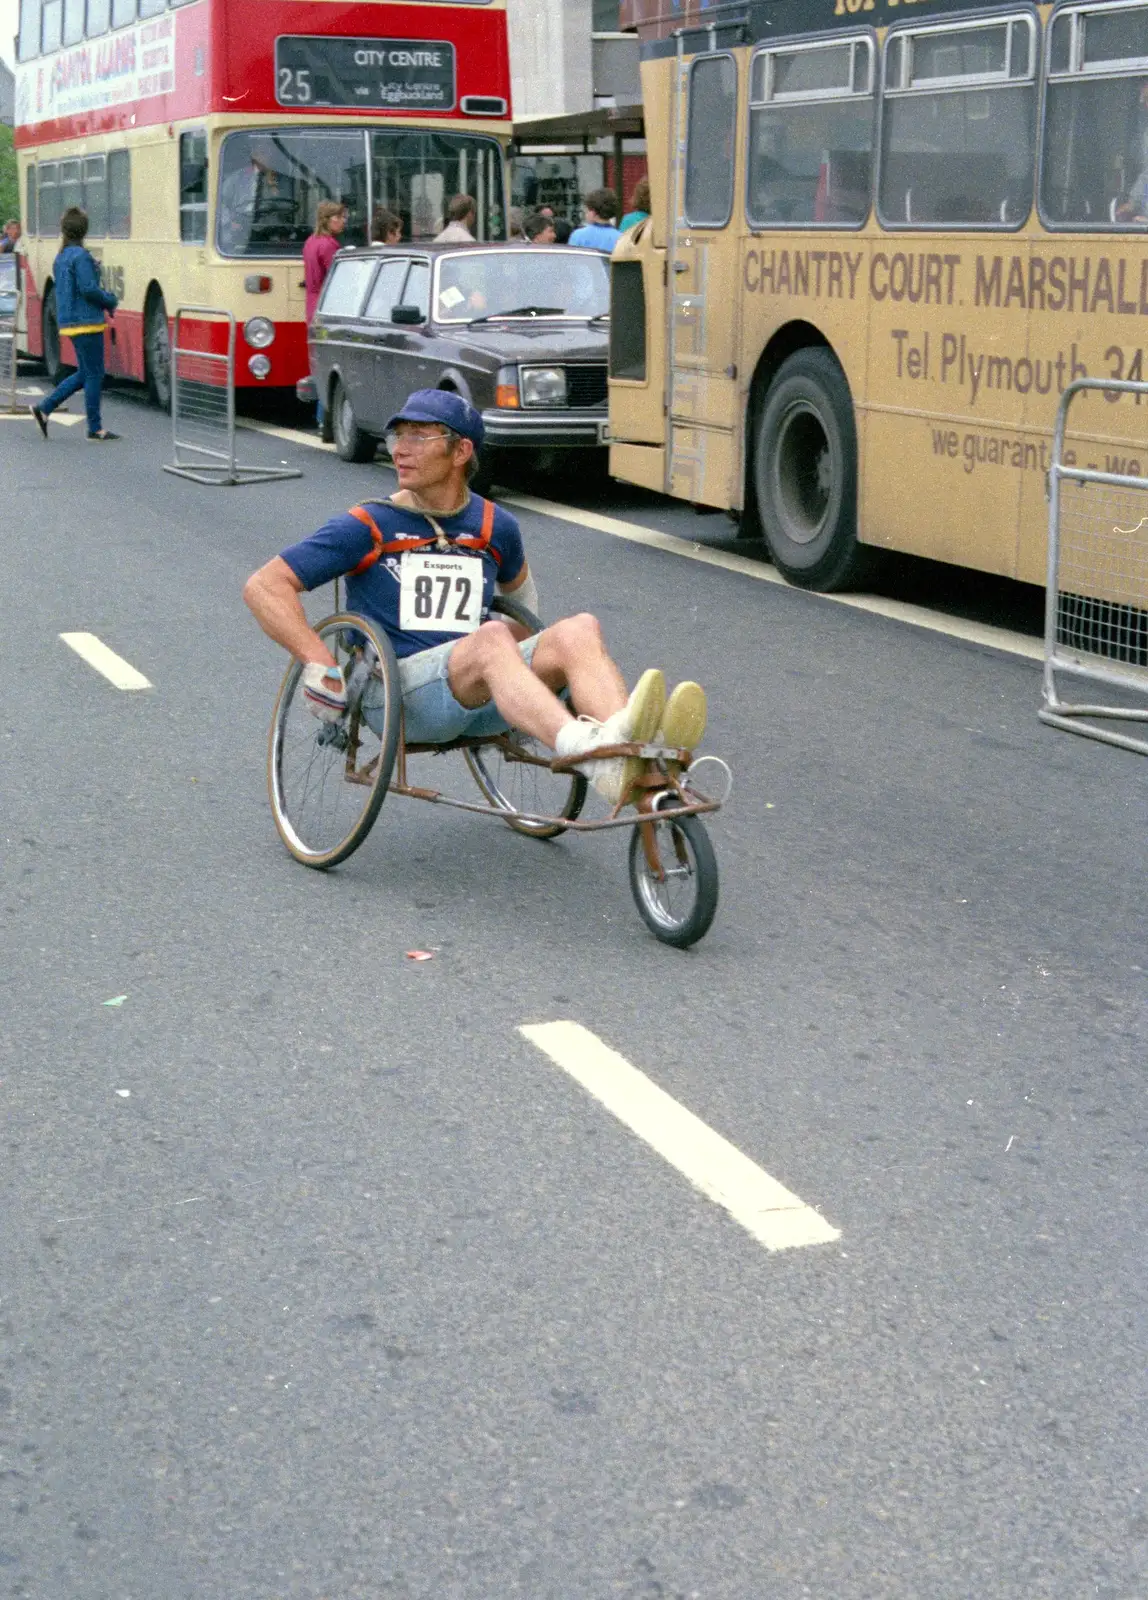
(885, 235)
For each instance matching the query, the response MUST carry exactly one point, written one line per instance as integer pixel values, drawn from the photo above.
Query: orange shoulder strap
(386, 547)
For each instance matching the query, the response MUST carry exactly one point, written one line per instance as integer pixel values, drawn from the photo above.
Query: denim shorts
(431, 714)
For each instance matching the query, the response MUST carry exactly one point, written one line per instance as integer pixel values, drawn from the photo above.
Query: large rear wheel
(515, 777)
(805, 474)
(327, 780)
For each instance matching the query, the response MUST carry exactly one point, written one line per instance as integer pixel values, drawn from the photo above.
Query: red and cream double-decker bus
(200, 138)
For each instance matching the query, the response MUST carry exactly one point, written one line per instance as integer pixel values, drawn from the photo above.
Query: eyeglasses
(418, 440)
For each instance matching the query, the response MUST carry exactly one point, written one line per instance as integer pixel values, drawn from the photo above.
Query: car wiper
(520, 311)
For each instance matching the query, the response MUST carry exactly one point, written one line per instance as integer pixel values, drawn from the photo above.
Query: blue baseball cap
(441, 405)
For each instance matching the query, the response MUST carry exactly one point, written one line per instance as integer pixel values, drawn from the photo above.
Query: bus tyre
(50, 338)
(805, 474)
(351, 442)
(157, 353)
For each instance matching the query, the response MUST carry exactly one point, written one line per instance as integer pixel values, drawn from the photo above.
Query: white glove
(324, 691)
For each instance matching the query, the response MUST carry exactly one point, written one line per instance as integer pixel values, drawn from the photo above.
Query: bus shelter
(566, 155)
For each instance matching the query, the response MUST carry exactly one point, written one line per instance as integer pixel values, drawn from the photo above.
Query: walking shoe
(636, 722)
(41, 420)
(684, 721)
(103, 435)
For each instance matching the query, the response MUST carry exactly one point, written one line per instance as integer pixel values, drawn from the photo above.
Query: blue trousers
(89, 377)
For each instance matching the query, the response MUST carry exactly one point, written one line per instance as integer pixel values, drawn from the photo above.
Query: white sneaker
(637, 721)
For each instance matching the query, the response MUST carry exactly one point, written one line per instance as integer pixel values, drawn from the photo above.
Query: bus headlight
(259, 332)
(259, 366)
(543, 386)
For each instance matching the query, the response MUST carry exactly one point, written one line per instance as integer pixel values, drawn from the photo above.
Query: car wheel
(351, 442)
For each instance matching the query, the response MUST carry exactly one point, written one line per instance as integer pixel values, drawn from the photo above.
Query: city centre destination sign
(388, 74)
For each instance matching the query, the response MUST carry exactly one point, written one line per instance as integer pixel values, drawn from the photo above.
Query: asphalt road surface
(318, 1278)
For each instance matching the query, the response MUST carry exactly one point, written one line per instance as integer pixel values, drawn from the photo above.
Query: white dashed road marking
(114, 668)
(765, 1208)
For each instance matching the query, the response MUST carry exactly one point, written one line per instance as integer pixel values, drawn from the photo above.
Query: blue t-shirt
(339, 545)
(596, 236)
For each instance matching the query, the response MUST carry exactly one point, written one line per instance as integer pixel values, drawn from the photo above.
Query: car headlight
(543, 386)
(259, 332)
(259, 366)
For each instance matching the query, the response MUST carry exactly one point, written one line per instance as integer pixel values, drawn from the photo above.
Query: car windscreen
(539, 281)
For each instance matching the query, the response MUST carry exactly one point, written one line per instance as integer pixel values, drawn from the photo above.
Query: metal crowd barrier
(203, 407)
(1096, 615)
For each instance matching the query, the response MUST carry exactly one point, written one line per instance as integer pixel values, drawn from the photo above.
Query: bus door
(702, 305)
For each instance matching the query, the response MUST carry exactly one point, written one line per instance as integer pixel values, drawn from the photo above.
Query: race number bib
(440, 593)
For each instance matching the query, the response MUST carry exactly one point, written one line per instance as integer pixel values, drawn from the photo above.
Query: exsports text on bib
(439, 593)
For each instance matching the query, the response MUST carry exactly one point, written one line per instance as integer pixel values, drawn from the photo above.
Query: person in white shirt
(462, 214)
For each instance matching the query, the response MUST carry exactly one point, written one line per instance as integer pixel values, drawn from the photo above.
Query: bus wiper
(520, 311)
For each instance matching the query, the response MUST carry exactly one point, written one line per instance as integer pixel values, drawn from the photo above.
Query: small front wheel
(327, 780)
(678, 901)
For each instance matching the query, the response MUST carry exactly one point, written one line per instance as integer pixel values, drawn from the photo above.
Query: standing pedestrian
(598, 231)
(462, 214)
(386, 227)
(10, 237)
(639, 206)
(80, 305)
(539, 229)
(319, 251)
(563, 228)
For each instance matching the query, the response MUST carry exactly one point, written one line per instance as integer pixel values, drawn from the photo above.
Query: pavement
(320, 1278)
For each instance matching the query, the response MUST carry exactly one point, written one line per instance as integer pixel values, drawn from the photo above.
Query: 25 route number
(294, 85)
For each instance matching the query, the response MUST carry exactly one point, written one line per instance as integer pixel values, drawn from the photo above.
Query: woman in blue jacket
(80, 306)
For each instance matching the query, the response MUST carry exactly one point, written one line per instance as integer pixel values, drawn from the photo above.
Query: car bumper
(546, 430)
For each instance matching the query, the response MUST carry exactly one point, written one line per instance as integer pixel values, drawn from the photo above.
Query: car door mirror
(407, 316)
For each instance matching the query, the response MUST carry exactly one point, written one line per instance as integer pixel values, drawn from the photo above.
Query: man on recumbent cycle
(424, 567)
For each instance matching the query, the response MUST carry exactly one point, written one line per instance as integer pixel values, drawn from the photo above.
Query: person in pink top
(319, 251)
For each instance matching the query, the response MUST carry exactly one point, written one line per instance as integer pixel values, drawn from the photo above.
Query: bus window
(30, 202)
(71, 186)
(53, 25)
(271, 183)
(957, 126)
(28, 40)
(48, 215)
(152, 8)
(119, 194)
(811, 135)
(96, 195)
(1094, 170)
(99, 17)
(709, 141)
(73, 21)
(123, 12)
(416, 174)
(193, 187)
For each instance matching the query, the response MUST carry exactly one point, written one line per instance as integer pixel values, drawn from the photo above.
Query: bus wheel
(805, 474)
(50, 338)
(157, 353)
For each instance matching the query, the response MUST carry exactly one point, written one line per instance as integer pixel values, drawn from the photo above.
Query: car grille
(586, 386)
